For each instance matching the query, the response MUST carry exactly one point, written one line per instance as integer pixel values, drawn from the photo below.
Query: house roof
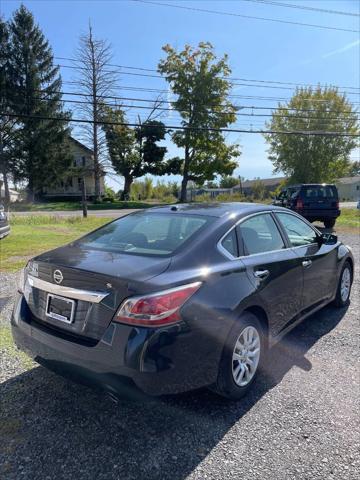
(349, 180)
(268, 182)
(81, 145)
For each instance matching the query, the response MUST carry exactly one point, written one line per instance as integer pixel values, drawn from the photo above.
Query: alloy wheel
(345, 284)
(246, 356)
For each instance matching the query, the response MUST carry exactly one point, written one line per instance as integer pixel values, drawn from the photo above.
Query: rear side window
(230, 243)
(147, 233)
(260, 234)
(299, 232)
(319, 192)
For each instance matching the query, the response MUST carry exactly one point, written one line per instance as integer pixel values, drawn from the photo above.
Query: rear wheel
(241, 356)
(329, 222)
(344, 286)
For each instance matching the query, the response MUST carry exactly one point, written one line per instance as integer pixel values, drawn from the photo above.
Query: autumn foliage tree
(200, 83)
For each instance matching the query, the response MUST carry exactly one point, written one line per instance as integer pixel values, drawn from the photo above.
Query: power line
(232, 83)
(232, 14)
(176, 127)
(167, 109)
(170, 103)
(248, 97)
(303, 7)
(227, 78)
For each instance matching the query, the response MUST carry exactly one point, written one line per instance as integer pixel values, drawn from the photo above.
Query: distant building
(14, 195)
(349, 188)
(70, 186)
(192, 193)
(247, 185)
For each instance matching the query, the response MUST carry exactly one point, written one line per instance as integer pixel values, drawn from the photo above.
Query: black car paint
(186, 355)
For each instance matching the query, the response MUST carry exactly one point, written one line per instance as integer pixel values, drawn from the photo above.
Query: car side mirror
(329, 239)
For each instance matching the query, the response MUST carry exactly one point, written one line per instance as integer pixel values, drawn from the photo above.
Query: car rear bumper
(157, 361)
(318, 214)
(4, 231)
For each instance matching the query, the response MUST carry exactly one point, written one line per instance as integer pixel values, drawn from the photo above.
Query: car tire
(231, 367)
(329, 223)
(344, 286)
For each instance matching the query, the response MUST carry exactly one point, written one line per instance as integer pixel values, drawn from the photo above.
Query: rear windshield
(147, 233)
(321, 191)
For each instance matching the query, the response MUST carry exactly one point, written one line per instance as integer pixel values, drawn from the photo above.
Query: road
(78, 213)
(299, 422)
(113, 213)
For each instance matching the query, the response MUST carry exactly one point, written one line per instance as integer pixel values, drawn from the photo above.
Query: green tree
(200, 84)
(42, 138)
(259, 190)
(227, 181)
(313, 158)
(134, 152)
(354, 169)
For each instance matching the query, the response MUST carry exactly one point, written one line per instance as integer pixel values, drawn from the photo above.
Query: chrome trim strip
(67, 292)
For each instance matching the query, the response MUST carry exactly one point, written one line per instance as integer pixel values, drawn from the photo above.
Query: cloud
(342, 49)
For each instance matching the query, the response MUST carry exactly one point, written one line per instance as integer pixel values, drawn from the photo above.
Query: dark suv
(314, 201)
(4, 224)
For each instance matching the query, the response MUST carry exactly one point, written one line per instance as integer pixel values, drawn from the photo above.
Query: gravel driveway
(300, 421)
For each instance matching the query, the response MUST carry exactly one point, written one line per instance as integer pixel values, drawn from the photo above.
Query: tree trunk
(185, 176)
(83, 197)
(4, 172)
(127, 186)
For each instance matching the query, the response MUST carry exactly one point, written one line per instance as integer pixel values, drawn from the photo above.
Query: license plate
(60, 308)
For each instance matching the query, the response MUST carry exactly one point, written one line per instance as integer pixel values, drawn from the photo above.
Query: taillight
(299, 203)
(156, 309)
(337, 204)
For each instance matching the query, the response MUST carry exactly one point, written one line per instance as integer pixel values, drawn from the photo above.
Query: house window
(357, 187)
(83, 160)
(79, 182)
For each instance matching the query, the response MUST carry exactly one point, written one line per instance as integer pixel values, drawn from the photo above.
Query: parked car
(358, 204)
(4, 223)
(313, 201)
(178, 297)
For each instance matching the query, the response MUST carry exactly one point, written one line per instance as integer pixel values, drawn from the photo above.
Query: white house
(70, 185)
(349, 189)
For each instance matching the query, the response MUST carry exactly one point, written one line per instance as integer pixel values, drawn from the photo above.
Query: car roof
(311, 185)
(214, 209)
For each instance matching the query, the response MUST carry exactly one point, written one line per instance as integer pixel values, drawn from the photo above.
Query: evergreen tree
(43, 153)
(7, 121)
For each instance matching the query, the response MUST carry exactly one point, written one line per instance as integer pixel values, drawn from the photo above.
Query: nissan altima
(178, 297)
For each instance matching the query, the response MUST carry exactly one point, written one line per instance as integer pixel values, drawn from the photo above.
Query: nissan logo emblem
(58, 276)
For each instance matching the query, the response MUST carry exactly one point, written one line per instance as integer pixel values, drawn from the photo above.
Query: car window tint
(230, 243)
(147, 233)
(320, 191)
(260, 234)
(299, 232)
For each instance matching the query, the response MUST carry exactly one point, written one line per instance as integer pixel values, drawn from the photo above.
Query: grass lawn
(350, 217)
(69, 206)
(30, 236)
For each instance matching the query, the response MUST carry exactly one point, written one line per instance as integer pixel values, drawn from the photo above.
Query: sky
(258, 50)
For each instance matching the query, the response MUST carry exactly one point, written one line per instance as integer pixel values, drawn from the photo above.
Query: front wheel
(240, 359)
(329, 223)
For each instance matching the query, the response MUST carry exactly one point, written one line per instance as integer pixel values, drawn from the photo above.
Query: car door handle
(261, 274)
(307, 263)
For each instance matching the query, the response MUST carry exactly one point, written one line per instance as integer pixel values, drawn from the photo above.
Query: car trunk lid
(75, 271)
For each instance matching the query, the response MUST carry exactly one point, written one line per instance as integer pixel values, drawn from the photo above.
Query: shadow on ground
(57, 429)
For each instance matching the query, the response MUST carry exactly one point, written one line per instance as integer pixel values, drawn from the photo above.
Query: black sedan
(178, 297)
